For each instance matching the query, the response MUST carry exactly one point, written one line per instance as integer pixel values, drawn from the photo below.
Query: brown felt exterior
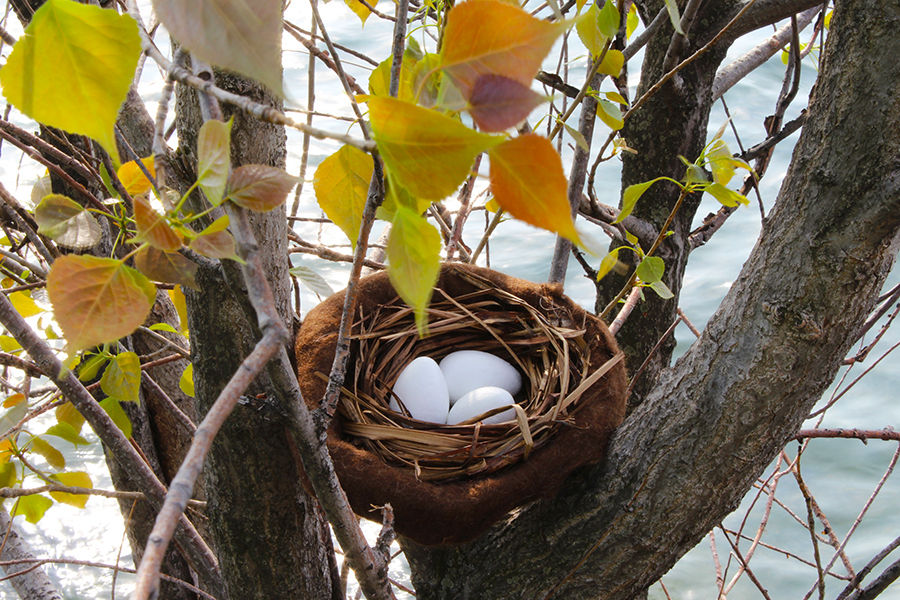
(458, 511)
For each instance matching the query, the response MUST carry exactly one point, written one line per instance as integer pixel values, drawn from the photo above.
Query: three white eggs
(465, 384)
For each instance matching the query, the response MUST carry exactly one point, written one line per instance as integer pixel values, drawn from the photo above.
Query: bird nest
(545, 345)
(447, 483)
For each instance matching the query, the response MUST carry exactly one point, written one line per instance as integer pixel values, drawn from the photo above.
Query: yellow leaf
(72, 68)
(24, 305)
(489, 37)
(133, 179)
(97, 300)
(67, 413)
(53, 456)
(73, 479)
(361, 10)
(341, 183)
(414, 140)
(13, 400)
(528, 181)
(177, 297)
(413, 252)
(612, 63)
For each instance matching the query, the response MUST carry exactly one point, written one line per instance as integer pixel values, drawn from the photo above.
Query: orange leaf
(492, 37)
(97, 300)
(133, 178)
(498, 102)
(167, 267)
(413, 141)
(152, 227)
(527, 180)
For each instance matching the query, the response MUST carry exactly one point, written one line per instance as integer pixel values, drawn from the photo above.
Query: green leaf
(674, 17)
(412, 140)
(608, 19)
(31, 507)
(528, 181)
(413, 252)
(214, 159)
(726, 196)
(72, 479)
(72, 68)
(588, 28)
(9, 474)
(186, 383)
(662, 290)
(97, 300)
(651, 269)
(380, 79)
(611, 114)
(341, 184)
(630, 197)
(89, 368)
(259, 188)
(576, 136)
(312, 280)
(163, 327)
(68, 433)
(66, 222)
(122, 377)
(117, 414)
(241, 36)
(24, 305)
(53, 456)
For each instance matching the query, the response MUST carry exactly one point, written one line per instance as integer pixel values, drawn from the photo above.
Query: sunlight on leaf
(67, 413)
(186, 382)
(72, 68)
(612, 63)
(498, 103)
(674, 17)
(240, 36)
(9, 474)
(24, 305)
(66, 432)
(528, 182)
(66, 222)
(412, 140)
(726, 196)
(341, 184)
(380, 79)
(53, 456)
(166, 267)
(133, 179)
(73, 479)
(361, 10)
(115, 411)
(587, 26)
(214, 159)
(122, 377)
(490, 37)
(413, 252)
(259, 188)
(721, 162)
(97, 300)
(608, 263)
(153, 228)
(31, 507)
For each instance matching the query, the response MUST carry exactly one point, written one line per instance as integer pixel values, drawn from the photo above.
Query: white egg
(480, 401)
(423, 391)
(466, 370)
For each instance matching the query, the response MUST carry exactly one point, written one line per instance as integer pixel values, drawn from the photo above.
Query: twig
(854, 583)
(624, 313)
(7, 492)
(11, 360)
(650, 354)
(198, 553)
(329, 254)
(864, 435)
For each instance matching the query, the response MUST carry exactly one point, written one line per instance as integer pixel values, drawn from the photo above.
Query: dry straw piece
(448, 483)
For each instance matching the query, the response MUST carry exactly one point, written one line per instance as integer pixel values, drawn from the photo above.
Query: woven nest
(448, 483)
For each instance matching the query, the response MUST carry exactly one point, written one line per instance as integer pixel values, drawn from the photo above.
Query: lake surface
(841, 473)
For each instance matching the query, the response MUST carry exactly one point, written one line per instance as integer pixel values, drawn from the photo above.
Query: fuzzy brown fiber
(460, 510)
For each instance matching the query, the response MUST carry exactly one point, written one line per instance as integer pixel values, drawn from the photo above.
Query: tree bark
(270, 536)
(687, 455)
(30, 582)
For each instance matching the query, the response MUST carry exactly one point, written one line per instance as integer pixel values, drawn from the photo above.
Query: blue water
(841, 474)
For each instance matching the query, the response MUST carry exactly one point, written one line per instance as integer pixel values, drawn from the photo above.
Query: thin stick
(623, 315)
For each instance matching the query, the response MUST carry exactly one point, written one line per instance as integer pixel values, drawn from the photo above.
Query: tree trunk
(28, 579)
(270, 536)
(687, 455)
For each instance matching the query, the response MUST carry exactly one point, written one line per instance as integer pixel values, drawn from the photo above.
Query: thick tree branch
(30, 581)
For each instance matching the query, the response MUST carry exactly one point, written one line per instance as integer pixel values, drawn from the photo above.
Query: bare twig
(624, 313)
(6, 492)
(856, 434)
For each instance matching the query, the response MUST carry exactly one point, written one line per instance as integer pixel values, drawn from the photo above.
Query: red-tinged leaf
(413, 252)
(216, 241)
(237, 35)
(414, 140)
(528, 181)
(153, 228)
(97, 300)
(53, 456)
(492, 37)
(498, 103)
(72, 479)
(66, 222)
(166, 267)
(133, 178)
(341, 183)
(32, 507)
(259, 187)
(213, 159)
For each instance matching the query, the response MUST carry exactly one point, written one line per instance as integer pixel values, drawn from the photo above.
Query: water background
(841, 473)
